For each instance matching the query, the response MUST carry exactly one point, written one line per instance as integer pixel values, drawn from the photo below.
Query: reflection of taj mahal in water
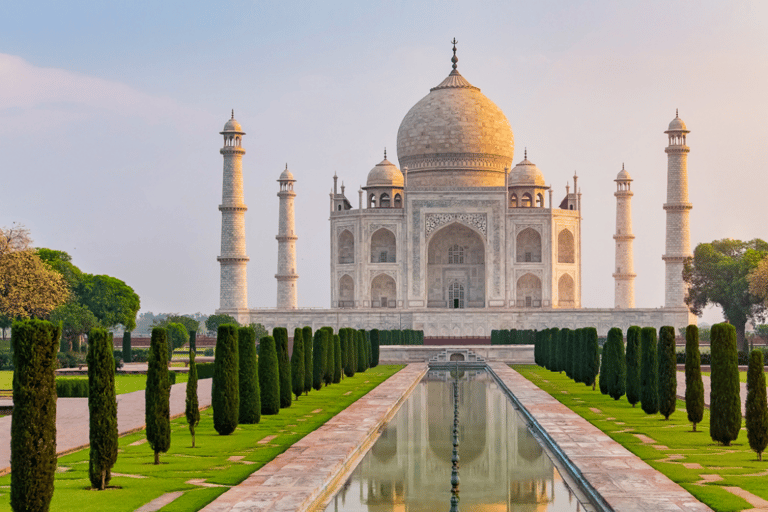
(457, 240)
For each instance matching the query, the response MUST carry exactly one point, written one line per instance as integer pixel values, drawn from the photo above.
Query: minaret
(286, 244)
(233, 260)
(625, 266)
(678, 246)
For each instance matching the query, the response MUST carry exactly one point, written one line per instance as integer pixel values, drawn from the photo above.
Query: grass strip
(217, 460)
(688, 458)
(126, 383)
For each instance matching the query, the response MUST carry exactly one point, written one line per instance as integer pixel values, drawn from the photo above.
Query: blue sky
(110, 113)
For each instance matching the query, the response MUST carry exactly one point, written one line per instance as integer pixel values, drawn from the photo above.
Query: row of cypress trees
(401, 337)
(514, 336)
(573, 351)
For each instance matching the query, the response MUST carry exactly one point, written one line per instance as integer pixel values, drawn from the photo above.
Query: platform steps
(456, 355)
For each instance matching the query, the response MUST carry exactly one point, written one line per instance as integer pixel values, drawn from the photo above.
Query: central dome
(455, 137)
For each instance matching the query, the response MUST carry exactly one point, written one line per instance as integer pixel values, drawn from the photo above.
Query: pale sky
(110, 114)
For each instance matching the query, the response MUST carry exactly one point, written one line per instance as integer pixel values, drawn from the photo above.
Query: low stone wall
(403, 354)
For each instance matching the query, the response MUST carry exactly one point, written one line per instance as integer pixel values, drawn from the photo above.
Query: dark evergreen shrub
(33, 423)
(336, 359)
(617, 380)
(694, 386)
(366, 349)
(284, 364)
(606, 361)
(592, 359)
(649, 371)
(756, 406)
(193, 341)
(552, 349)
(319, 358)
(269, 376)
(375, 346)
(297, 362)
(561, 357)
(350, 358)
(667, 371)
(127, 346)
(724, 399)
(102, 408)
(157, 395)
(72, 388)
(308, 358)
(329, 355)
(573, 353)
(225, 391)
(249, 411)
(205, 370)
(191, 404)
(359, 343)
(633, 365)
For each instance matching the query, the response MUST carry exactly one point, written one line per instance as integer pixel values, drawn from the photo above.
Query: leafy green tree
(192, 406)
(214, 321)
(259, 329)
(193, 341)
(33, 423)
(111, 300)
(320, 358)
(694, 386)
(102, 407)
(667, 360)
(76, 321)
(617, 375)
(649, 371)
(189, 323)
(756, 406)
(5, 323)
(225, 390)
(719, 274)
(250, 394)
(157, 395)
(308, 358)
(284, 364)
(724, 399)
(297, 362)
(336, 359)
(634, 388)
(177, 337)
(61, 262)
(269, 376)
(28, 287)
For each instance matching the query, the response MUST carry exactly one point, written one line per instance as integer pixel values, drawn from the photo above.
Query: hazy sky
(110, 113)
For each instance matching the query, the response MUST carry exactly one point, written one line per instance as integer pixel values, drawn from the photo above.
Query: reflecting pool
(502, 466)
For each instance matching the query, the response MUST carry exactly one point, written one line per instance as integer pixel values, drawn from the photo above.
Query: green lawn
(209, 461)
(123, 383)
(674, 443)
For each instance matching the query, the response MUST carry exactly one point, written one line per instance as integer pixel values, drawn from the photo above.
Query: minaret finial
(622, 166)
(233, 114)
(286, 166)
(454, 59)
(526, 154)
(385, 153)
(676, 114)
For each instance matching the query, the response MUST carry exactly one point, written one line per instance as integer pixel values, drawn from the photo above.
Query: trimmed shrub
(269, 376)
(592, 356)
(193, 341)
(297, 362)
(319, 358)
(724, 399)
(633, 365)
(360, 344)
(225, 391)
(350, 355)
(606, 362)
(617, 374)
(336, 359)
(667, 371)
(157, 395)
(284, 365)
(308, 358)
(205, 370)
(191, 404)
(552, 351)
(649, 371)
(127, 346)
(757, 408)
(366, 349)
(33, 423)
(694, 386)
(71, 388)
(102, 408)
(249, 411)
(329, 355)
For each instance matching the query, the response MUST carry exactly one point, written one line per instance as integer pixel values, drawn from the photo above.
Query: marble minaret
(678, 246)
(286, 245)
(625, 266)
(233, 296)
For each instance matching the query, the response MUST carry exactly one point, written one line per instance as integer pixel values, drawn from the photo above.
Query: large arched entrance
(456, 268)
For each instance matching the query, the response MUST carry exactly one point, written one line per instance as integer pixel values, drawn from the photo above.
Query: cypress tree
(359, 343)
(193, 341)
(350, 357)
(724, 399)
(336, 359)
(617, 375)
(649, 371)
(269, 376)
(757, 408)
(192, 406)
(592, 359)
(297, 362)
(284, 364)
(157, 395)
(102, 408)
(366, 349)
(633, 365)
(308, 358)
(552, 351)
(319, 358)
(694, 387)
(667, 371)
(248, 381)
(574, 339)
(33, 422)
(606, 362)
(375, 348)
(225, 391)
(561, 357)
(329, 355)
(127, 347)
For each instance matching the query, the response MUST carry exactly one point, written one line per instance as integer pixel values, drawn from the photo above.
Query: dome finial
(526, 154)
(385, 153)
(454, 59)
(622, 166)
(286, 166)
(233, 114)
(676, 114)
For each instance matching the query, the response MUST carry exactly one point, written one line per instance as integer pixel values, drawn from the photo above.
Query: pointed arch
(346, 247)
(566, 250)
(528, 246)
(566, 291)
(513, 200)
(526, 202)
(383, 246)
(528, 291)
(383, 291)
(456, 254)
(346, 291)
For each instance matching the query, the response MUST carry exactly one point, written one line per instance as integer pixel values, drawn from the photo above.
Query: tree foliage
(269, 376)
(756, 406)
(28, 287)
(719, 273)
(189, 323)
(250, 393)
(319, 358)
(76, 321)
(633, 365)
(284, 364)
(308, 358)
(337, 364)
(225, 390)
(649, 371)
(297, 362)
(102, 407)
(191, 403)
(214, 321)
(110, 299)
(694, 386)
(724, 399)
(157, 395)
(667, 371)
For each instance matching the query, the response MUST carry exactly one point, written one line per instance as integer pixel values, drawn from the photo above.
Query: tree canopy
(719, 274)
(76, 320)
(28, 287)
(189, 323)
(214, 321)
(110, 299)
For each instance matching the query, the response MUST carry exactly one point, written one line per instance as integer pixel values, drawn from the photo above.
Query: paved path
(707, 388)
(72, 419)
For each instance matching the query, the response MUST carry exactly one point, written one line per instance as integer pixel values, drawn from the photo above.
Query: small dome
(232, 125)
(286, 175)
(677, 124)
(526, 174)
(385, 174)
(623, 175)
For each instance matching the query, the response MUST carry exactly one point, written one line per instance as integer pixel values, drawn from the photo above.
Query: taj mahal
(458, 240)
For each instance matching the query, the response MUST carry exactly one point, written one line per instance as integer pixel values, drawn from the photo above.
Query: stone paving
(300, 478)
(72, 419)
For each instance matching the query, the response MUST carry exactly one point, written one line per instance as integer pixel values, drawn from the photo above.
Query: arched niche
(539, 201)
(383, 246)
(372, 201)
(346, 291)
(566, 248)
(528, 291)
(384, 201)
(383, 291)
(456, 255)
(513, 200)
(346, 247)
(526, 201)
(528, 246)
(398, 201)
(566, 291)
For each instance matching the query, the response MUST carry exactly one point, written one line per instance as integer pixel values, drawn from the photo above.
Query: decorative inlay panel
(434, 221)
